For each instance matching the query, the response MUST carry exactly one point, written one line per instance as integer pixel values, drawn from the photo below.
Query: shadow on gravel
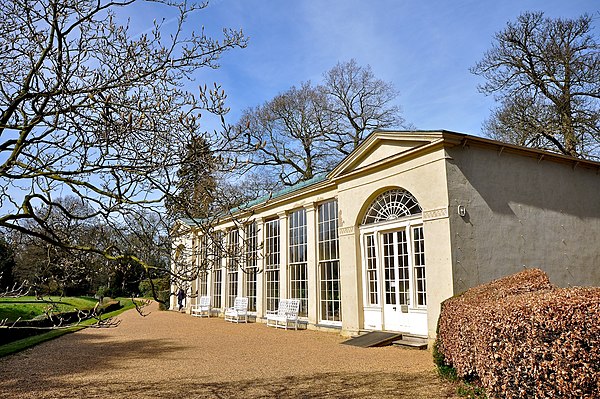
(51, 371)
(326, 385)
(330, 385)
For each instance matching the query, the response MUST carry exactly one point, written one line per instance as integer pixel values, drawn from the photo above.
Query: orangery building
(407, 220)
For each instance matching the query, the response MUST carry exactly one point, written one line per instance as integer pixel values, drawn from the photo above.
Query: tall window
(216, 286)
(389, 268)
(202, 283)
(203, 266)
(233, 239)
(403, 268)
(403, 277)
(272, 259)
(217, 279)
(373, 293)
(203, 252)
(396, 268)
(297, 259)
(250, 271)
(195, 252)
(419, 266)
(329, 263)
(217, 250)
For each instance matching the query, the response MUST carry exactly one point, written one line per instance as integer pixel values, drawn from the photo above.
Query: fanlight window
(392, 204)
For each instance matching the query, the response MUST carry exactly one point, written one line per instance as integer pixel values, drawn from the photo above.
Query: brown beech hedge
(521, 337)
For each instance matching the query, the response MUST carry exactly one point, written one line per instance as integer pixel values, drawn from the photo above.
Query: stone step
(413, 343)
(416, 338)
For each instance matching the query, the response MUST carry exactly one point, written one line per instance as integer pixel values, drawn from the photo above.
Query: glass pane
(389, 268)
(330, 292)
(419, 266)
(373, 294)
(403, 269)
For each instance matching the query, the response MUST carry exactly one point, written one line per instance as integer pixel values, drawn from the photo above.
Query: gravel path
(173, 355)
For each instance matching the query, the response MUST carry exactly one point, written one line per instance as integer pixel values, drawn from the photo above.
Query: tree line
(47, 269)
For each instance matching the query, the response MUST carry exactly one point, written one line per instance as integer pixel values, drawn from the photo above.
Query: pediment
(384, 145)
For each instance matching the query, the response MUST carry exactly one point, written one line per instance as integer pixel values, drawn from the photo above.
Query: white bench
(287, 312)
(202, 308)
(239, 312)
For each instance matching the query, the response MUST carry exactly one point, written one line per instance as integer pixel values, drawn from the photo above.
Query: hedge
(521, 337)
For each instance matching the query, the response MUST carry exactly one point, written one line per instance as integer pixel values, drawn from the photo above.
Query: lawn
(28, 307)
(25, 343)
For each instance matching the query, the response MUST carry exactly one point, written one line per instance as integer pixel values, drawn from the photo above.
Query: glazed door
(396, 266)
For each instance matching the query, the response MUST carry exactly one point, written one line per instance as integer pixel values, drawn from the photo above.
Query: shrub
(462, 314)
(524, 338)
(101, 292)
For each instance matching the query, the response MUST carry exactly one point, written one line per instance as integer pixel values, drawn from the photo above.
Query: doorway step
(411, 341)
(384, 338)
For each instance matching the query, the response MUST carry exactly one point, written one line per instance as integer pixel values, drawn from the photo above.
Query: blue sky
(425, 48)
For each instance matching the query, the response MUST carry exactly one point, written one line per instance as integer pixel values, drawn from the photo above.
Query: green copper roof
(265, 198)
(300, 185)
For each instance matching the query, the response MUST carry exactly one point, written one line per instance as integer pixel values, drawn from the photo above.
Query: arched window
(390, 205)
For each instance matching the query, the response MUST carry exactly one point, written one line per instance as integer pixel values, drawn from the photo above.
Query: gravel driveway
(173, 355)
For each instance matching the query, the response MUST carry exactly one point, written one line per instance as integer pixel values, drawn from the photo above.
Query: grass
(17, 346)
(29, 307)
(471, 391)
(464, 388)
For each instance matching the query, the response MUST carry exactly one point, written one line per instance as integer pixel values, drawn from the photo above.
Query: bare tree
(359, 103)
(288, 135)
(546, 72)
(91, 110)
(299, 134)
(307, 130)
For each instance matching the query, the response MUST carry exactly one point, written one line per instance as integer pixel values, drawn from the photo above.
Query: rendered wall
(425, 178)
(522, 212)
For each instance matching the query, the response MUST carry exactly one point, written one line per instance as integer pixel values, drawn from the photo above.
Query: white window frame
(250, 275)
(297, 275)
(203, 268)
(377, 229)
(324, 261)
(422, 265)
(233, 240)
(272, 255)
(217, 269)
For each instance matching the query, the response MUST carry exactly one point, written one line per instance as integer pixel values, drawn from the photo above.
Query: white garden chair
(287, 312)
(202, 308)
(239, 312)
